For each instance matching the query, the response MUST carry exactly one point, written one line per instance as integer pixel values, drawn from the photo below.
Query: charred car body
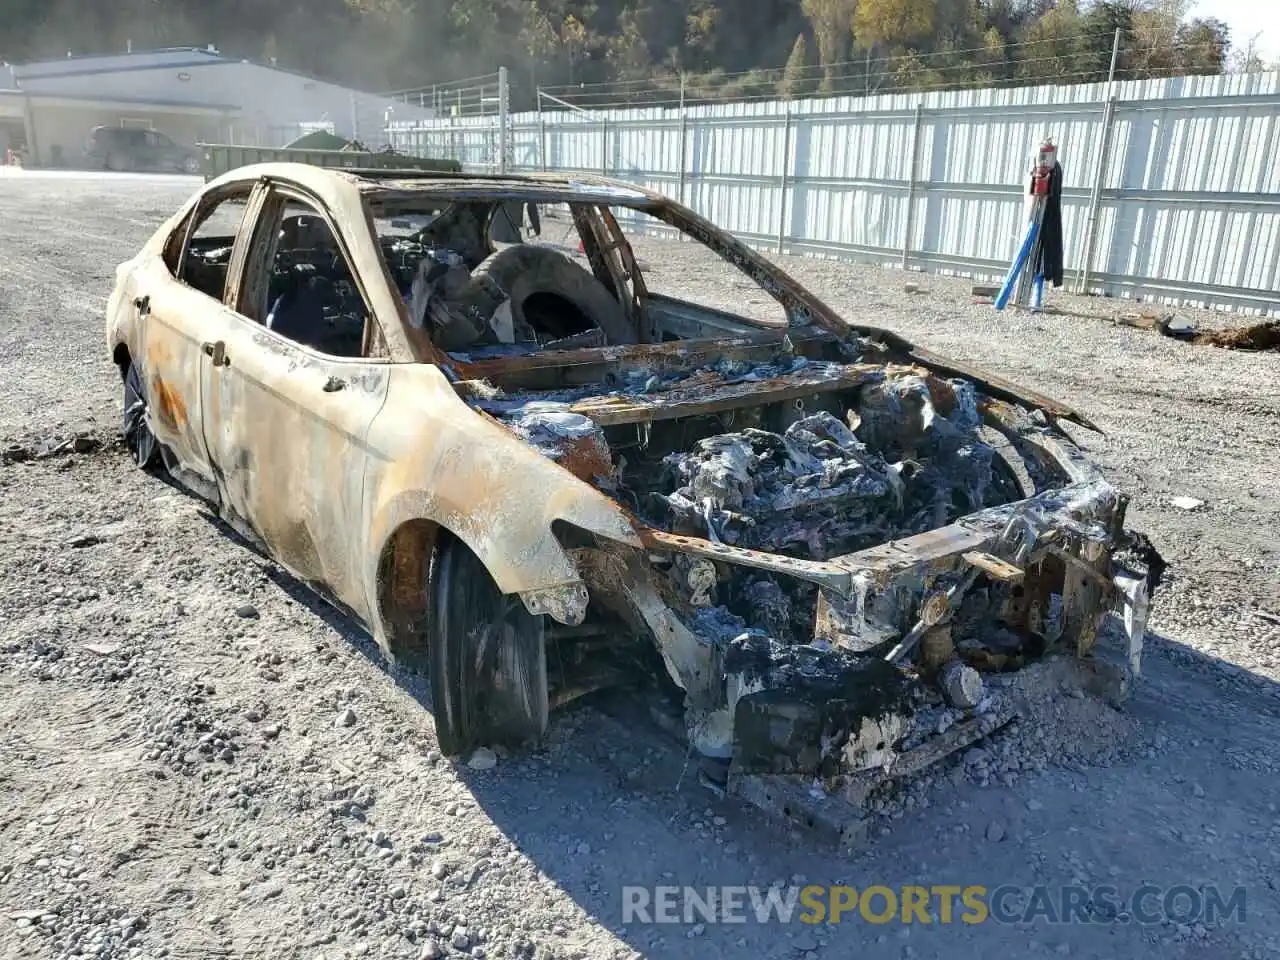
(528, 473)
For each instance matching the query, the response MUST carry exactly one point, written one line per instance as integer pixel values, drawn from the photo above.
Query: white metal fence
(1183, 175)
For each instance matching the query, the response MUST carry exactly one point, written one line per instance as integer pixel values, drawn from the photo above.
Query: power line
(819, 69)
(844, 77)
(481, 80)
(715, 89)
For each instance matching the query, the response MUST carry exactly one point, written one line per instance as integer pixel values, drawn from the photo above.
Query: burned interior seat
(311, 298)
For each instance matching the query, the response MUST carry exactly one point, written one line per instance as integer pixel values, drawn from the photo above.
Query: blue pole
(1006, 291)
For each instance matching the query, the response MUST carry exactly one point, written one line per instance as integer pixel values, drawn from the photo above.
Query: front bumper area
(904, 633)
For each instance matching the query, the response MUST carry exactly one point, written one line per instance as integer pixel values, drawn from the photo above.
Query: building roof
(158, 103)
(89, 64)
(167, 58)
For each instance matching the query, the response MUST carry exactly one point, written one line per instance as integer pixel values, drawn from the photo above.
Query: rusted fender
(434, 458)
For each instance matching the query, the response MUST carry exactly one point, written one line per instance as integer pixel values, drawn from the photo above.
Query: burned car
(533, 476)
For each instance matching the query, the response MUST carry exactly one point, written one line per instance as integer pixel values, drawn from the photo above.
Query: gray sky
(1245, 18)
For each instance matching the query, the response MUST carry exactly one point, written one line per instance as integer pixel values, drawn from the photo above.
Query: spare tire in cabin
(549, 293)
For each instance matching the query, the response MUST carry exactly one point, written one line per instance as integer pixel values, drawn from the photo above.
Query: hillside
(630, 49)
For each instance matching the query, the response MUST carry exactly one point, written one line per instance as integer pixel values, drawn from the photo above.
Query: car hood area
(840, 545)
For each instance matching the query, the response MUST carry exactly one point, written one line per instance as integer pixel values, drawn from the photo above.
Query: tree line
(594, 51)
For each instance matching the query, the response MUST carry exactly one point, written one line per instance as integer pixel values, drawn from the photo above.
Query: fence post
(1104, 157)
(684, 151)
(503, 105)
(909, 217)
(542, 130)
(1095, 195)
(604, 147)
(786, 165)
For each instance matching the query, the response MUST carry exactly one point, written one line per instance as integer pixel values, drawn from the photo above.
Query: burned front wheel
(138, 438)
(488, 661)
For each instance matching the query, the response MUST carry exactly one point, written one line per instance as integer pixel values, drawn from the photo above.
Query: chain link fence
(471, 123)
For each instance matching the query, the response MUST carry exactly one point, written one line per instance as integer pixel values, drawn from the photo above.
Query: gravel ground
(198, 760)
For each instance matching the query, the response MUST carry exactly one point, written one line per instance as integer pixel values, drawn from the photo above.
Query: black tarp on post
(1047, 258)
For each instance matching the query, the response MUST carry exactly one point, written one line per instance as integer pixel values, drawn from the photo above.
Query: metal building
(189, 94)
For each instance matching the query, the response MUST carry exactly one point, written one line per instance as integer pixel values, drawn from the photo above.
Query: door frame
(361, 387)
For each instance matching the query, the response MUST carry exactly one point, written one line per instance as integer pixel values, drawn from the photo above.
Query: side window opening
(201, 255)
(312, 297)
(693, 275)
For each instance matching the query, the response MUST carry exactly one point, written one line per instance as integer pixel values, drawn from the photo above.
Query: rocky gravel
(198, 759)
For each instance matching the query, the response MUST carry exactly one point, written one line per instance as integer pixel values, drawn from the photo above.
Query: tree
(628, 51)
(893, 23)
(576, 40)
(794, 78)
(1049, 45)
(1097, 39)
(831, 21)
(700, 35)
(1202, 45)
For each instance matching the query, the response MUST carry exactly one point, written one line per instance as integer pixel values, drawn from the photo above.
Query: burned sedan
(534, 476)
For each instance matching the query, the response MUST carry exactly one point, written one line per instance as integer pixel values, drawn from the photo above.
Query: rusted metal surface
(712, 397)
(901, 550)
(831, 575)
(551, 369)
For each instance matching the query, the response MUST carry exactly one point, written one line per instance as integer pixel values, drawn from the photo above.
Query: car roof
(385, 187)
(389, 188)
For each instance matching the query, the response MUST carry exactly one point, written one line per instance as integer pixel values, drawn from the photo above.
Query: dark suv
(126, 148)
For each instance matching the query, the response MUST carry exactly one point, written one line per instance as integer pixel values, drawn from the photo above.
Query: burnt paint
(814, 700)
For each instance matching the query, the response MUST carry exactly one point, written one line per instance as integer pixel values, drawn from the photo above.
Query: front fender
(437, 459)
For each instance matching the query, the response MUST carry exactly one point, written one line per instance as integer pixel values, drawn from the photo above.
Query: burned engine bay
(839, 547)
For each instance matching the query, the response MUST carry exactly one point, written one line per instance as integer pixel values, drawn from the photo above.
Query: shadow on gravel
(615, 806)
(612, 802)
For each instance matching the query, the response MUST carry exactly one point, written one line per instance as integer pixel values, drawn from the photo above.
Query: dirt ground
(198, 760)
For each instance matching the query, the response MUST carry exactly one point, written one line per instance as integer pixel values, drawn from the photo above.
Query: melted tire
(487, 662)
(138, 438)
(520, 271)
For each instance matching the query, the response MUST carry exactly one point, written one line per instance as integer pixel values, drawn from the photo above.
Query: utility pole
(1115, 55)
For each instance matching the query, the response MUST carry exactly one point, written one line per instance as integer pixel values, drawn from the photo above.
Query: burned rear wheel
(138, 438)
(488, 661)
